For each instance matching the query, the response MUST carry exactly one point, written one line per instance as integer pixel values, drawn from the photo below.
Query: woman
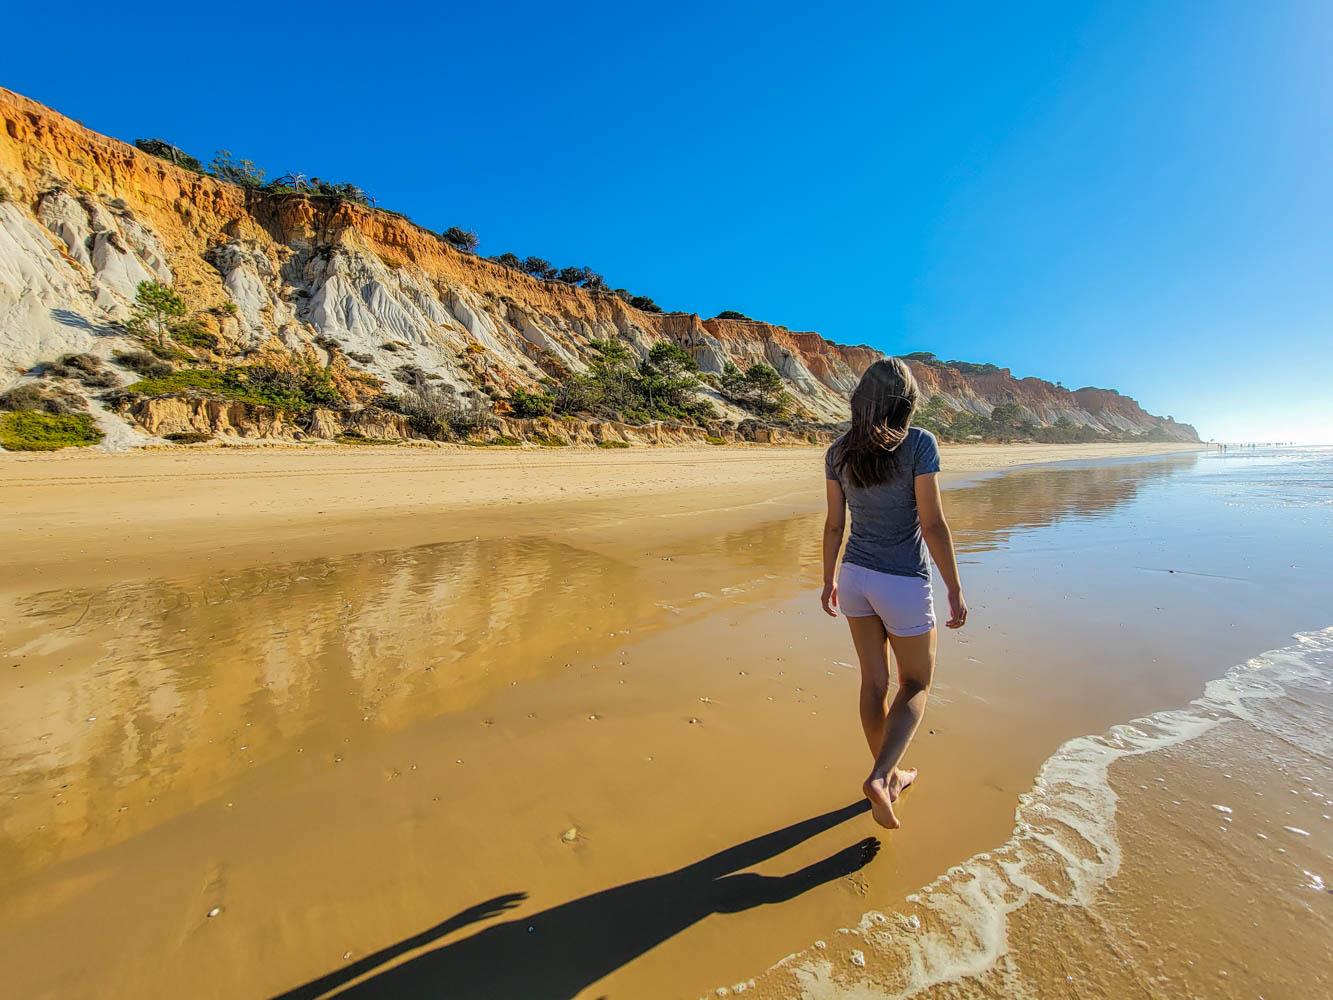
(886, 472)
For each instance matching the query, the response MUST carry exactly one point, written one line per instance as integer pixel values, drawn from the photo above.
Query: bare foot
(883, 792)
(902, 777)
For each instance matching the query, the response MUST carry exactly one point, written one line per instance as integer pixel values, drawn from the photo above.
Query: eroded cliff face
(85, 218)
(1043, 403)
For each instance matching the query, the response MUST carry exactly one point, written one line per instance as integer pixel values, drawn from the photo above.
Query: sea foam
(1063, 849)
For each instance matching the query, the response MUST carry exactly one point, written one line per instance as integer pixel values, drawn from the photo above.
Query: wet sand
(571, 717)
(66, 514)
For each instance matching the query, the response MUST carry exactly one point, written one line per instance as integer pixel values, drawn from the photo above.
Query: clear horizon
(1126, 196)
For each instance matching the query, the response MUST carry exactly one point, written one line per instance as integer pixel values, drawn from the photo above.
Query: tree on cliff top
(461, 239)
(156, 308)
(733, 314)
(584, 276)
(243, 172)
(539, 268)
(165, 150)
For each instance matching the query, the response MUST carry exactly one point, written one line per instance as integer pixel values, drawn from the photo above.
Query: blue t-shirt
(886, 529)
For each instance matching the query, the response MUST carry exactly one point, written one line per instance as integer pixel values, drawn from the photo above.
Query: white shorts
(903, 603)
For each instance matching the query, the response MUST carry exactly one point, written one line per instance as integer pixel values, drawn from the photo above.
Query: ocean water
(1187, 852)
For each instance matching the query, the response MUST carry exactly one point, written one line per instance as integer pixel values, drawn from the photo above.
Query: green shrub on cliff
(934, 416)
(47, 399)
(532, 404)
(759, 389)
(965, 424)
(142, 363)
(297, 389)
(29, 430)
(192, 333)
(84, 368)
(439, 412)
(664, 386)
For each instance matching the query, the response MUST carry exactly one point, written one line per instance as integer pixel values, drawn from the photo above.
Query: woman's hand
(830, 599)
(957, 610)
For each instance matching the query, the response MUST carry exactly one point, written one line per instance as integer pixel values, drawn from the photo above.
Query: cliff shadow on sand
(562, 950)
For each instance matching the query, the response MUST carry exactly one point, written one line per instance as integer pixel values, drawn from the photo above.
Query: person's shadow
(562, 950)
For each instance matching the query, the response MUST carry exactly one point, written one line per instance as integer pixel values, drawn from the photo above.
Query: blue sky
(1132, 195)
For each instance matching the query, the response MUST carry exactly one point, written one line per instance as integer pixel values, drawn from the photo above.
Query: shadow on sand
(560, 951)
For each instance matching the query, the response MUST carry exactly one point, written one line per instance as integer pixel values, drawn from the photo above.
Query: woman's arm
(834, 524)
(935, 529)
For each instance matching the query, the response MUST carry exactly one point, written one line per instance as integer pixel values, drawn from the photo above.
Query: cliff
(1043, 403)
(360, 292)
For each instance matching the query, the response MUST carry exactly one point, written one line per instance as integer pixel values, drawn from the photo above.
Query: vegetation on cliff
(664, 386)
(759, 389)
(31, 430)
(297, 388)
(440, 413)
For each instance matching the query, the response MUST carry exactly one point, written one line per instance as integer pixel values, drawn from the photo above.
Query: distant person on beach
(887, 472)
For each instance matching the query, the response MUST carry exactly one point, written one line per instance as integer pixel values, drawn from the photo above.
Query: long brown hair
(882, 406)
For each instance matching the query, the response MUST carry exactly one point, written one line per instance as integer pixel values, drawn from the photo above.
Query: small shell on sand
(571, 835)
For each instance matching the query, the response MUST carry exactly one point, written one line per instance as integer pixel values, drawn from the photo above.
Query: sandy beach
(185, 505)
(533, 724)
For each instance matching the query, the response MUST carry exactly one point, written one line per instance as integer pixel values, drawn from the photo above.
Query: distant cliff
(297, 289)
(979, 389)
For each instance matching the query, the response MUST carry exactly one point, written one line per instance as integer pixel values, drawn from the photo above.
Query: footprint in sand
(214, 889)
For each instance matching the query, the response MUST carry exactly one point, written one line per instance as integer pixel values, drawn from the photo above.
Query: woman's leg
(916, 669)
(871, 642)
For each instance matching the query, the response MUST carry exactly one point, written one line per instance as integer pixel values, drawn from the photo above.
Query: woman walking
(886, 472)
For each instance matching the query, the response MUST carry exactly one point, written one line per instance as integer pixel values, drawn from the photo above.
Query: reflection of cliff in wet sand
(384, 639)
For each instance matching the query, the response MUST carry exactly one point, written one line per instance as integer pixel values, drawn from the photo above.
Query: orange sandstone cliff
(362, 292)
